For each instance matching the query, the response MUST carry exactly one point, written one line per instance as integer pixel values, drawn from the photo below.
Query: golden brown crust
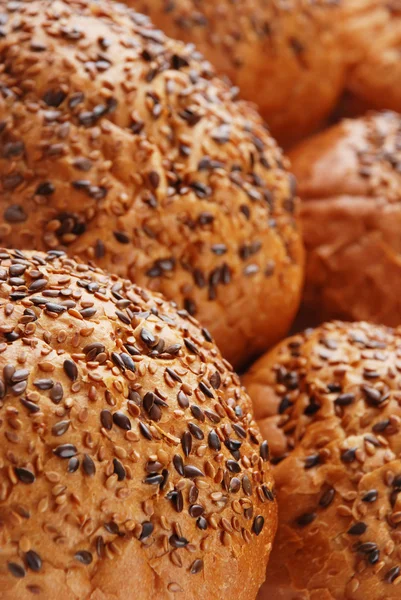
(130, 462)
(284, 56)
(349, 179)
(122, 146)
(333, 409)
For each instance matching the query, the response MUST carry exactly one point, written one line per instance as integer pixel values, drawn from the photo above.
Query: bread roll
(372, 30)
(330, 401)
(350, 182)
(130, 463)
(284, 56)
(121, 146)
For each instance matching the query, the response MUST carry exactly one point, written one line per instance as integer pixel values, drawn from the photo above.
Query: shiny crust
(284, 56)
(122, 146)
(349, 179)
(130, 463)
(330, 401)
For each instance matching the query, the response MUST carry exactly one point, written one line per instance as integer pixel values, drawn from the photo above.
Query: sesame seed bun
(284, 56)
(349, 180)
(130, 462)
(122, 147)
(329, 400)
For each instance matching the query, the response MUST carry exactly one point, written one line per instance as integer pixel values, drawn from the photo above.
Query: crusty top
(122, 146)
(350, 184)
(330, 400)
(284, 56)
(130, 463)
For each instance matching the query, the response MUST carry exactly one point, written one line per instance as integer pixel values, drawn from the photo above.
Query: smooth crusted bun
(284, 56)
(330, 400)
(130, 462)
(122, 146)
(349, 180)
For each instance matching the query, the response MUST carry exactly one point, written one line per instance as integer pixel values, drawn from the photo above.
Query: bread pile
(122, 147)
(133, 463)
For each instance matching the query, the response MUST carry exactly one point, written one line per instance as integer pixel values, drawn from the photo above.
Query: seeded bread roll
(284, 56)
(373, 35)
(124, 148)
(130, 462)
(330, 401)
(350, 182)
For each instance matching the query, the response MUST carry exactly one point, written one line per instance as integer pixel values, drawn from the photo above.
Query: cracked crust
(350, 183)
(122, 146)
(130, 463)
(329, 400)
(283, 56)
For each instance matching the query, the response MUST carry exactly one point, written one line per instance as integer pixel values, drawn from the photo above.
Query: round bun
(284, 56)
(349, 180)
(330, 400)
(130, 462)
(372, 30)
(121, 146)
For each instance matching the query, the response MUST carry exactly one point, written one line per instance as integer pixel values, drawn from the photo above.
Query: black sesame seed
(366, 547)
(73, 465)
(197, 413)
(327, 497)
(312, 461)
(147, 530)
(84, 557)
(392, 574)
(196, 510)
(344, 399)
(197, 566)
(182, 399)
(33, 560)
(43, 384)
(373, 557)
(88, 465)
(196, 431)
(30, 406)
(121, 420)
(258, 524)
(191, 346)
(57, 393)
(70, 369)
(178, 464)
(106, 419)
(246, 485)
(201, 523)
(191, 472)
(119, 469)
(358, 528)
(60, 428)
(24, 475)
(145, 431)
(264, 450)
(235, 485)
(370, 496)
(233, 466)
(173, 374)
(214, 440)
(147, 337)
(305, 519)
(186, 442)
(348, 456)
(16, 570)
(154, 479)
(178, 541)
(65, 451)
(205, 389)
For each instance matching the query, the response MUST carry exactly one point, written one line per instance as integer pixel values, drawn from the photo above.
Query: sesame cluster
(122, 146)
(124, 434)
